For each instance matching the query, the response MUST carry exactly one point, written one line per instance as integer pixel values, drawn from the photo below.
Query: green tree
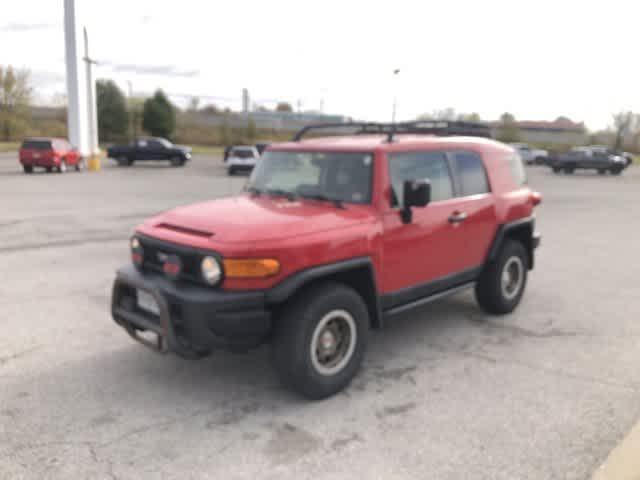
(15, 99)
(159, 115)
(225, 132)
(252, 131)
(508, 130)
(113, 118)
(470, 117)
(622, 123)
(284, 107)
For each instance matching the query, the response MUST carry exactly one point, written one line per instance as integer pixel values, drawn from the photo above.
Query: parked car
(241, 158)
(50, 154)
(531, 156)
(152, 148)
(318, 251)
(628, 157)
(589, 158)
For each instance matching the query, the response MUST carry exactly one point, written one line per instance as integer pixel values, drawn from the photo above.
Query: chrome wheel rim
(512, 277)
(333, 342)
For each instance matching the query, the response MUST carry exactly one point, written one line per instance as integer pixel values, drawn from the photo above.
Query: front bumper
(192, 320)
(536, 238)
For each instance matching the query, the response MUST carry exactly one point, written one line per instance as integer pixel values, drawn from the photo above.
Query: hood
(254, 219)
(184, 148)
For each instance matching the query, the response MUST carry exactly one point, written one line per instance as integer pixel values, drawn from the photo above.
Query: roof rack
(419, 127)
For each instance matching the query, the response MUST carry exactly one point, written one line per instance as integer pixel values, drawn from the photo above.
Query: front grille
(191, 258)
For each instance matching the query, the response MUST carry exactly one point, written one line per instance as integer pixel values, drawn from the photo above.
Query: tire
(310, 319)
(27, 168)
(49, 169)
(124, 161)
(615, 171)
(62, 167)
(556, 169)
(493, 293)
(568, 170)
(231, 171)
(176, 161)
(602, 171)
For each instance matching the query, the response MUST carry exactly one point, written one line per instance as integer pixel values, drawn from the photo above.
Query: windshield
(242, 153)
(344, 177)
(164, 142)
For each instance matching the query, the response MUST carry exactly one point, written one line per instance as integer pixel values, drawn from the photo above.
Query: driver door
(423, 256)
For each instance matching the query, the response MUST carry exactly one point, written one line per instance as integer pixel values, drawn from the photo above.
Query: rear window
(473, 177)
(517, 169)
(37, 144)
(242, 153)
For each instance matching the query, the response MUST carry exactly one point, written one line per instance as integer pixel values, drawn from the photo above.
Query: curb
(623, 463)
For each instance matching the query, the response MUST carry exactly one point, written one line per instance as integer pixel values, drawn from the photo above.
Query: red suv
(49, 153)
(332, 237)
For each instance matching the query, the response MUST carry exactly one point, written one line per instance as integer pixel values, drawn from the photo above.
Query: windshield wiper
(323, 198)
(254, 190)
(281, 193)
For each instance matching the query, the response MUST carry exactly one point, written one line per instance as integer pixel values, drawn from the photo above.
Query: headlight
(211, 271)
(137, 253)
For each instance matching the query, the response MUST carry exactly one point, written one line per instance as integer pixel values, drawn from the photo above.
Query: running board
(424, 301)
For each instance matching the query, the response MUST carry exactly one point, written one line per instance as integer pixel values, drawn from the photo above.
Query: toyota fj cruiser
(333, 236)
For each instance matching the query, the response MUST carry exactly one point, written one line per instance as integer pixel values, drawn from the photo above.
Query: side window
(517, 169)
(420, 165)
(473, 177)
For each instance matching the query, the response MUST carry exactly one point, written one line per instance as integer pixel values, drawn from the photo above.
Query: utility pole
(395, 95)
(94, 158)
(132, 107)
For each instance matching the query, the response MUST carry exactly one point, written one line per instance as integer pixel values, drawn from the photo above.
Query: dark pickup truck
(589, 158)
(149, 149)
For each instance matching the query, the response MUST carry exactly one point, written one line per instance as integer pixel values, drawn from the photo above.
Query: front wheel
(501, 285)
(27, 168)
(616, 171)
(176, 161)
(556, 169)
(320, 340)
(602, 171)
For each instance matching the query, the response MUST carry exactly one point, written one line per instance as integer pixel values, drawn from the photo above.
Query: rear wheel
(231, 171)
(27, 168)
(49, 169)
(124, 161)
(501, 285)
(602, 171)
(556, 169)
(320, 340)
(569, 169)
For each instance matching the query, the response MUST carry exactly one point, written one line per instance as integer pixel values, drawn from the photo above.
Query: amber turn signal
(250, 267)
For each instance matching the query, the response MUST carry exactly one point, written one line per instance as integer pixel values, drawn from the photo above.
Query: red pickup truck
(332, 237)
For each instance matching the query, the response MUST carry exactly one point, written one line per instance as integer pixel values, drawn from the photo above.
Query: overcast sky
(537, 59)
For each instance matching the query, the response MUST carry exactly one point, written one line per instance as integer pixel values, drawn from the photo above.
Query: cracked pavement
(446, 392)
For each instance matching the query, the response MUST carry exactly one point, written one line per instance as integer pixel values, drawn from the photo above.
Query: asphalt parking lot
(445, 393)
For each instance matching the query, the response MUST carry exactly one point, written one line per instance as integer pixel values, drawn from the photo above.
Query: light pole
(94, 158)
(395, 99)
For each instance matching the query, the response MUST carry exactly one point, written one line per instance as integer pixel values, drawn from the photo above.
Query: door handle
(457, 217)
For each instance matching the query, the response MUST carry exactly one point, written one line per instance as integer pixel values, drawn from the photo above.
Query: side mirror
(416, 193)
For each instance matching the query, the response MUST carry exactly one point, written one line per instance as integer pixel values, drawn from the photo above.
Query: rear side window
(517, 169)
(37, 144)
(473, 177)
(416, 166)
